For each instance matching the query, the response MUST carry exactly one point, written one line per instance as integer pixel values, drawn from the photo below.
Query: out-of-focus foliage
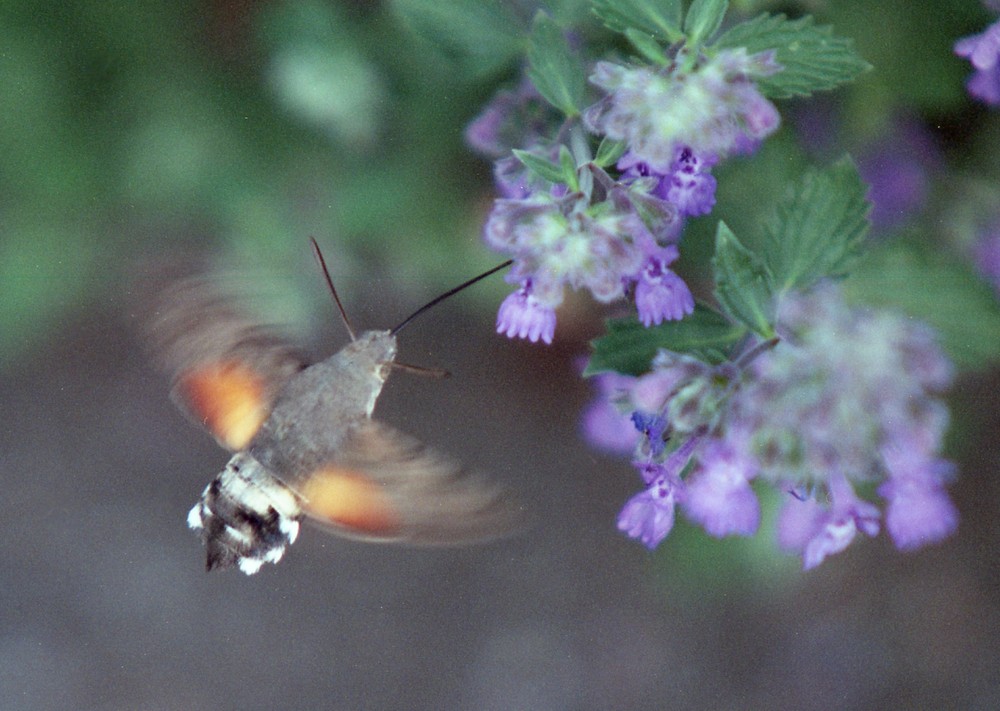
(236, 129)
(242, 128)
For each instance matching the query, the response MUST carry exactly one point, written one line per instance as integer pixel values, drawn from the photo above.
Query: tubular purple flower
(514, 118)
(983, 50)
(649, 515)
(659, 293)
(605, 426)
(919, 510)
(691, 187)
(607, 421)
(719, 497)
(760, 117)
(819, 531)
(522, 316)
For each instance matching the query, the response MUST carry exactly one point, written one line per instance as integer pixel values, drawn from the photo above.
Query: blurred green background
(236, 127)
(240, 128)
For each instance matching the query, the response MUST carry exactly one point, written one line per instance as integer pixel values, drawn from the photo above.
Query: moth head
(375, 351)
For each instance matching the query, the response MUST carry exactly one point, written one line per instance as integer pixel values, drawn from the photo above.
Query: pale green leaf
(743, 283)
(818, 228)
(628, 347)
(812, 57)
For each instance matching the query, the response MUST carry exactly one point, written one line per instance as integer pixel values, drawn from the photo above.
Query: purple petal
(719, 497)
(522, 316)
(604, 427)
(649, 515)
(918, 514)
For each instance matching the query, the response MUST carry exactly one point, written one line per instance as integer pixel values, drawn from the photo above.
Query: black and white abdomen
(247, 517)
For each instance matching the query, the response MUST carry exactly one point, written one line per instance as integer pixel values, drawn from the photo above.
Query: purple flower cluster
(846, 398)
(983, 50)
(713, 108)
(615, 234)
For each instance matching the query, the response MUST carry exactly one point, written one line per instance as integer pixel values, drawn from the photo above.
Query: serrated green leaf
(480, 36)
(704, 18)
(659, 18)
(813, 59)
(608, 152)
(945, 294)
(647, 46)
(629, 347)
(743, 283)
(542, 167)
(818, 228)
(553, 68)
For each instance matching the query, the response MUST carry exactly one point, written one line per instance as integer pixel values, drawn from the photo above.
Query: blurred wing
(226, 370)
(387, 486)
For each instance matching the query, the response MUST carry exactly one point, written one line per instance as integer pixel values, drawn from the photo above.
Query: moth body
(318, 408)
(246, 516)
(304, 441)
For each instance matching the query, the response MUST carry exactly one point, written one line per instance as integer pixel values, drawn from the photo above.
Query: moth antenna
(445, 295)
(329, 282)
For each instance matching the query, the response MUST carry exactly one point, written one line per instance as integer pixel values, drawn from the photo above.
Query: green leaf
(704, 18)
(629, 347)
(943, 293)
(647, 46)
(812, 57)
(553, 68)
(743, 283)
(568, 165)
(818, 228)
(659, 18)
(608, 152)
(542, 167)
(479, 36)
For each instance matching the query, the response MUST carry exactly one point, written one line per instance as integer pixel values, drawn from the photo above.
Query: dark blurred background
(227, 133)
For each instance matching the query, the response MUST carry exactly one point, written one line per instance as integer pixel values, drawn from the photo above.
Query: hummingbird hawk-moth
(303, 439)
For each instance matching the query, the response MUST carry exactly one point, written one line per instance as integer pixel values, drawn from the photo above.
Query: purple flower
(652, 428)
(649, 515)
(714, 109)
(818, 531)
(605, 426)
(659, 293)
(837, 402)
(512, 119)
(521, 315)
(562, 238)
(687, 184)
(691, 186)
(898, 168)
(719, 497)
(983, 50)
(919, 510)
(513, 179)
(607, 421)
(760, 117)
